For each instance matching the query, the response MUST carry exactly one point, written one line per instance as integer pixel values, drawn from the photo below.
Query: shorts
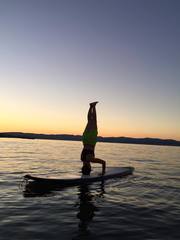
(84, 153)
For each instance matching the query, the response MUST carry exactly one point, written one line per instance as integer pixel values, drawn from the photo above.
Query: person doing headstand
(89, 141)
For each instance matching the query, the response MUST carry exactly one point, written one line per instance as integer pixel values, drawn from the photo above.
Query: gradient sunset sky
(56, 56)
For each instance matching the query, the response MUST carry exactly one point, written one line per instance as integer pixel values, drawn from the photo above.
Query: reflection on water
(87, 206)
(34, 190)
(86, 201)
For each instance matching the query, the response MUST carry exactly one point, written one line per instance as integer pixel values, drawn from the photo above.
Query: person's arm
(97, 160)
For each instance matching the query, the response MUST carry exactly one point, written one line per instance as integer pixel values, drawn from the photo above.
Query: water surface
(145, 205)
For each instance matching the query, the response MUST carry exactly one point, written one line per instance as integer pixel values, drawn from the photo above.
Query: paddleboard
(111, 172)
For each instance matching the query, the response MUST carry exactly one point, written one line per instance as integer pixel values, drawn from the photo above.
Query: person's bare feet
(93, 104)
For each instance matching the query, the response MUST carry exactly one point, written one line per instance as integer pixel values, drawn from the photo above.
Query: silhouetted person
(89, 142)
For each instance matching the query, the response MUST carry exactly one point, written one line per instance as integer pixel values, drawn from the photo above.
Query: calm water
(143, 206)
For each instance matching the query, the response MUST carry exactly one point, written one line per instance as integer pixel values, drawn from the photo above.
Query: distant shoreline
(128, 140)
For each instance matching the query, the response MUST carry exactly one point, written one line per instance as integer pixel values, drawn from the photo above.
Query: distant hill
(148, 141)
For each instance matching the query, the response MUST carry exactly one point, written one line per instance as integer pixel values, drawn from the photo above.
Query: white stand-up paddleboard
(111, 172)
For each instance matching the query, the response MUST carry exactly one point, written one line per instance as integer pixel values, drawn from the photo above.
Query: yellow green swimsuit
(90, 137)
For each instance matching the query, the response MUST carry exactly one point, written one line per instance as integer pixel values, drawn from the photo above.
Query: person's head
(86, 168)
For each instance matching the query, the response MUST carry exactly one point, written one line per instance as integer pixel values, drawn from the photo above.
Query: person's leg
(92, 117)
(89, 116)
(90, 133)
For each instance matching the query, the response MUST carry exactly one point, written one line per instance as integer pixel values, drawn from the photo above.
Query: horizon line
(146, 137)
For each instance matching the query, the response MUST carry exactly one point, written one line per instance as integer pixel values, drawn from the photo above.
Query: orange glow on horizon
(39, 130)
(55, 124)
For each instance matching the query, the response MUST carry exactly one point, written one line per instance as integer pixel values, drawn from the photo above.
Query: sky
(57, 56)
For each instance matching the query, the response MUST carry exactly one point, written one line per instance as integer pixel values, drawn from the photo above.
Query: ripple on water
(142, 206)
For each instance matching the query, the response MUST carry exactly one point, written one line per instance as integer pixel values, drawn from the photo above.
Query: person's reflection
(87, 207)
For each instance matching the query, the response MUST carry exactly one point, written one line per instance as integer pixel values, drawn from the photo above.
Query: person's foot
(93, 104)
